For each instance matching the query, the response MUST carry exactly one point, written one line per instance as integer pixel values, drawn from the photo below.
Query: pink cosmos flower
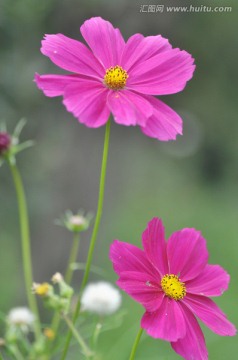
(173, 281)
(117, 77)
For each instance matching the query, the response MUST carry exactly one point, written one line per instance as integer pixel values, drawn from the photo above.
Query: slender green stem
(87, 352)
(94, 233)
(18, 355)
(72, 258)
(135, 345)
(68, 277)
(26, 246)
(96, 334)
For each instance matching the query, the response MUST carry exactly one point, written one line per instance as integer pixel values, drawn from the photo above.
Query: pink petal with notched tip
(210, 314)
(71, 55)
(143, 288)
(139, 48)
(163, 74)
(192, 346)
(129, 108)
(212, 281)
(105, 41)
(166, 323)
(87, 101)
(165, 124)
(153, 239)
(128, 257)
(187, 253)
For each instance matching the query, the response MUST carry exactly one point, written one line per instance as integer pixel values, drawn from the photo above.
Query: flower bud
(57, 278)
(42, 290)
(75, 223)
(49, 333)
(5, 142)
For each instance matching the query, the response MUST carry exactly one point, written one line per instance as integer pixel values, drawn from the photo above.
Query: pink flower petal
(105, 41)
(166, 323)
(71, 55)
(209, 313)
(139, 48)
(143, 288)
(127, 257)
(192, 346)
(165, 73)
(153, 239)
(165, 124)
(54, 85)
(129, 108)
(87, 101)
(212, 281)
(187, 253)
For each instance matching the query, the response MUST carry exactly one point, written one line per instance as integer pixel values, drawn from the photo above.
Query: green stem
(72, 258)
(87, 352)
(18, 355)
(96, 334)
(135, 345)
(68, 277)
(26, 246)
(94, 233)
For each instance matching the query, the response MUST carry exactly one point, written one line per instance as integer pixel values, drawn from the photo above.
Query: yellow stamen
(173, 287)
(42, 289)
(49, 333)
(115, 78)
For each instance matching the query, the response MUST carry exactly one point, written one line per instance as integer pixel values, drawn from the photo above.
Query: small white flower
(101, 298)
(57, 278)
(22, 317)
(77, 220)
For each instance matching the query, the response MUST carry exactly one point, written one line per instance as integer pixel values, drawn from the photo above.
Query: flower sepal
(10, 145)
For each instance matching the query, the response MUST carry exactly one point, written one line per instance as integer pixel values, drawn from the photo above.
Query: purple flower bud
(5, 141)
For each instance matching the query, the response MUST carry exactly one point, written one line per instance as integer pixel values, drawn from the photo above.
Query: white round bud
(22, 317)
(101, 298)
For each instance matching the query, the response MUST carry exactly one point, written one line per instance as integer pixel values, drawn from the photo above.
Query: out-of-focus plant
(118, 78)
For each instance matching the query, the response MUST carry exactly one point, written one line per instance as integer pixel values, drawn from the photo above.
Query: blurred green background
(188, 183)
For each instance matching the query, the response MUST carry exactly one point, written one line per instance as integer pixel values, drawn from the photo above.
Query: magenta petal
(187, 253)
(127, 257)
(129, 108)
(212, 281)
(139, 48)
(87, 101)
(105, 41)
(54, 85)
(71, 55)
(143, 288)
(153, 239)
(192, 346)
(209, 313)
(165, 124)
(166, 323)
(163, 74)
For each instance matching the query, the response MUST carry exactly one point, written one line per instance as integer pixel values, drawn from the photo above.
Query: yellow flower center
(115, 78)
(42, 289)
(49, 333)
(173, 287)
